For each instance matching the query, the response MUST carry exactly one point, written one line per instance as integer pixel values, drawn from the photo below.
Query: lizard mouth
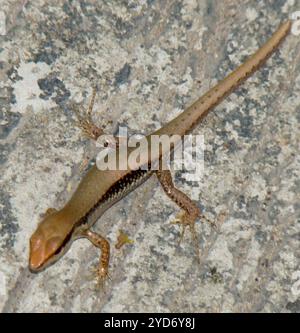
(34, 268)
(36, 260)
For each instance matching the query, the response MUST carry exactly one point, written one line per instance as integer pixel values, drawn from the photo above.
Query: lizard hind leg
(190, 211)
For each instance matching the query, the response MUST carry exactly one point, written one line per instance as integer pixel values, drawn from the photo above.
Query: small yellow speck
(69, 187)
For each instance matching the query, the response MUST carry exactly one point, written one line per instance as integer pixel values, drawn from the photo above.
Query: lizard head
(48, 242)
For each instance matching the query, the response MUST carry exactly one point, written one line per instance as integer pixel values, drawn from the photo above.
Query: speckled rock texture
(149, 60)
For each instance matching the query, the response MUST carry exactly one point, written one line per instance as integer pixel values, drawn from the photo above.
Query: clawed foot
(101, 277)
(88, 128)
(85, 122)
(213, 224)
(186, 220)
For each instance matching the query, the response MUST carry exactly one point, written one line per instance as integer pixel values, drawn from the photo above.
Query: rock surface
(149, 60)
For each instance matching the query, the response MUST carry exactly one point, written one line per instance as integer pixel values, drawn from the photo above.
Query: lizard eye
(35, 242)
(53, 245)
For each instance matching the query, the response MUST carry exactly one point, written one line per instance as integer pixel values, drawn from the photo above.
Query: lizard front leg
(103, 244)
(85, 121)
(88, 126)
(190, 210)
(91, 131)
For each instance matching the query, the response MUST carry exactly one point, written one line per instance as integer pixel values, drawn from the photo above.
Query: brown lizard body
(99, 190)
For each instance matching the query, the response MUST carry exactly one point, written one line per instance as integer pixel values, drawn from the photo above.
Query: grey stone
(149, 60)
